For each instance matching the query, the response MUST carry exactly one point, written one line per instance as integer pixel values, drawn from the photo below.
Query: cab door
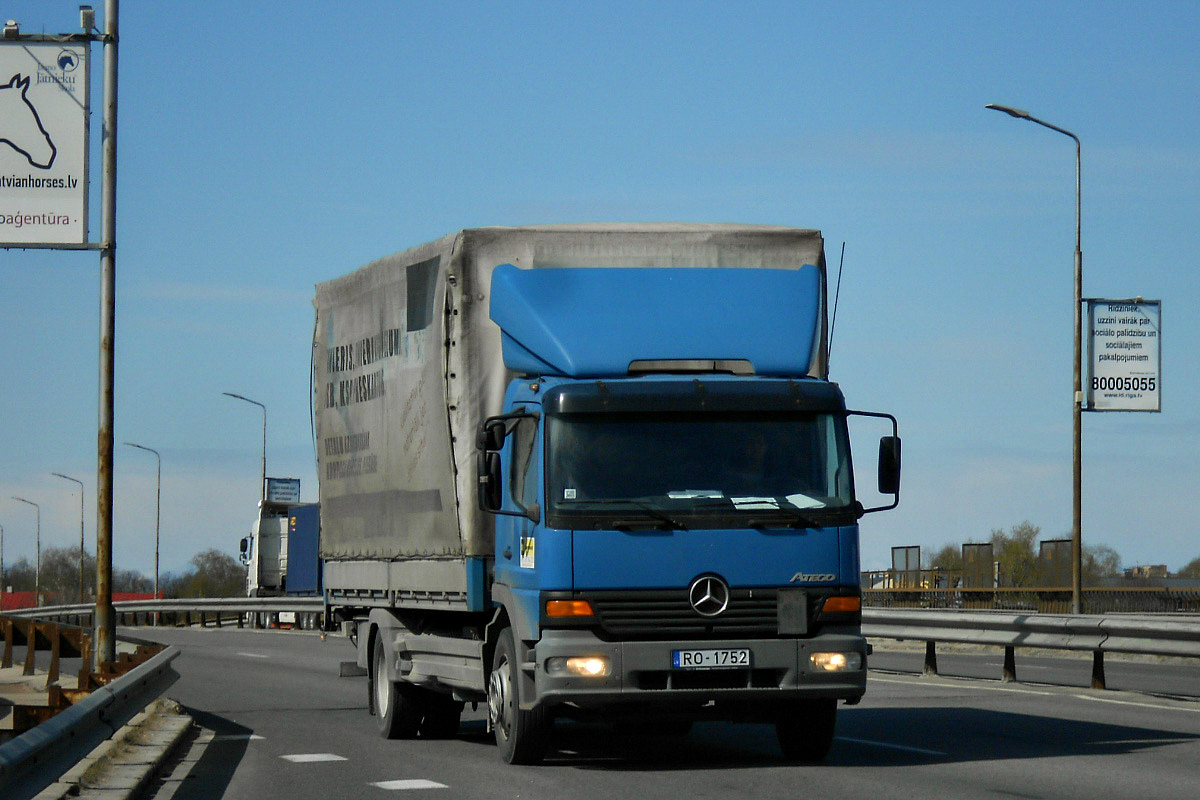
(516, 533)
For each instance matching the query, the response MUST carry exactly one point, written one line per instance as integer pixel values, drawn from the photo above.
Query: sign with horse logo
(43, 144)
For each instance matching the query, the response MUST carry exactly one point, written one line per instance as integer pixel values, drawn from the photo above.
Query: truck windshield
(698, 469)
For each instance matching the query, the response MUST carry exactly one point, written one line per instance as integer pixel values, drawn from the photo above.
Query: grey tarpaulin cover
(407, 364)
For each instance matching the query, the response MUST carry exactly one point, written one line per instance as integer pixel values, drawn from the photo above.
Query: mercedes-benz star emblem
(709, 595)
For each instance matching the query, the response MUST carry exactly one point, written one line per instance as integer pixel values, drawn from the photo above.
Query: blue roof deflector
(592, 322)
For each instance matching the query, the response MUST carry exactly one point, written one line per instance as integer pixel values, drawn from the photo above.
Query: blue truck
(593, 471)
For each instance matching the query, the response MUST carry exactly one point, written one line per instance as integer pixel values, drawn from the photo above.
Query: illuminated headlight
(836, 662)
(579, 667)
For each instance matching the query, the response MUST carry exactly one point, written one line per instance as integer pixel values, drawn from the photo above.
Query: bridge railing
(298, 612)
(47, 737)
(1098, 634)
(1048, 600)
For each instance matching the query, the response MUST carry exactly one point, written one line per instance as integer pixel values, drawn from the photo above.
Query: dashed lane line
(310, 758)
(890, 746)
(415, 783)
(923, 682)
(236, 737)
(1156, 706)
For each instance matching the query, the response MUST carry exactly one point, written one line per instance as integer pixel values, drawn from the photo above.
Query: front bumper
(642, 672)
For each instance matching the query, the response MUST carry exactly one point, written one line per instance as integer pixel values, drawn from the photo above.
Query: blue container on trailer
(303, 565)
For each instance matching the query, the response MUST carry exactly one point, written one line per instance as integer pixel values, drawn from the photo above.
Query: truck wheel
(397, 706)
(442, 715)
(521, 735)
(806, 731)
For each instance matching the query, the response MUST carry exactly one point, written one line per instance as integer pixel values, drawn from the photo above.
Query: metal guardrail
(81, 719)
(1097, 634)
(241, 610)
(1046, 600)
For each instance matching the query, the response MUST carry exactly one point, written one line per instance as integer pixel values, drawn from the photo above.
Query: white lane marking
(890, 746)
(923, 682)
(1138, 705)
(251, 655)
(414, 783)
(309, 758)
(235, 737)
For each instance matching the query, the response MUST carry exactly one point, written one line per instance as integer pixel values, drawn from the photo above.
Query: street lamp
(263, 483)
(37, 572)
(157, 508)
(76, 480)
(1077, 402)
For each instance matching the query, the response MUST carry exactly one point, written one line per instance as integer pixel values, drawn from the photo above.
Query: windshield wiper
(664, 521)
(792, 518)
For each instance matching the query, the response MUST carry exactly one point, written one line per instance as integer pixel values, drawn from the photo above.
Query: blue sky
(264, 147)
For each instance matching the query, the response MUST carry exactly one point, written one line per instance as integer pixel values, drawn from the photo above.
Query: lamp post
(1077, 402)
(1, 568)
(37, 572)
(81, 559)
(263, 482)
(157, 507)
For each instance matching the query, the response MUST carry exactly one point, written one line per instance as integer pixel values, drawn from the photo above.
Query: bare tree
(19, 576)
(1190, 569)
(1017, 554)
(947, 559)
(212, 574)
(1099, 561)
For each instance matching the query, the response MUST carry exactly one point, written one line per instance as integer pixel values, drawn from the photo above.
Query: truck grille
(666, 614)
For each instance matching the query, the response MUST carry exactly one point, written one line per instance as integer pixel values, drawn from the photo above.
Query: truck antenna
(836, 293)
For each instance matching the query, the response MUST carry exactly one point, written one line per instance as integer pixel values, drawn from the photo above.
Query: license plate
(711, 659)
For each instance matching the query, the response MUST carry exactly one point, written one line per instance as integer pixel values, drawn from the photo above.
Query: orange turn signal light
(568, 608)
(841, 604)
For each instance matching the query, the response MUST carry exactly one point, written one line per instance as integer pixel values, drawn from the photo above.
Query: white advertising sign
(43, 143)
(283, 490)
(1125, 347)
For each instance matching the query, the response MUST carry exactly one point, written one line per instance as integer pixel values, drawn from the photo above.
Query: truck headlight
(579, 667)
(836, 662)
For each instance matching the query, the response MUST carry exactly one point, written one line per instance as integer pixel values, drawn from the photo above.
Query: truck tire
(678, 728)
(520, 735)
(442, 716)
(669, 726)
(805, 732)
(396, 706)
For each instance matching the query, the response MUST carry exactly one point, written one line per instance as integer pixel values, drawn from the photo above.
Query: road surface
(288, 728)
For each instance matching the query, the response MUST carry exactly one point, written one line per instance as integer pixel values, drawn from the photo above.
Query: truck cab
(264, 552)
(679, 541)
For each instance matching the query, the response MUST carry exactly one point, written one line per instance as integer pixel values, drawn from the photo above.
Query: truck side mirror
(490, 441)
(889, 465)
(490, 481)
(492, 435)
(245, 554)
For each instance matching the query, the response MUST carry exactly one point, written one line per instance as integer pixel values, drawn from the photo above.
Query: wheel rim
(499, 692)
(381, 688)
